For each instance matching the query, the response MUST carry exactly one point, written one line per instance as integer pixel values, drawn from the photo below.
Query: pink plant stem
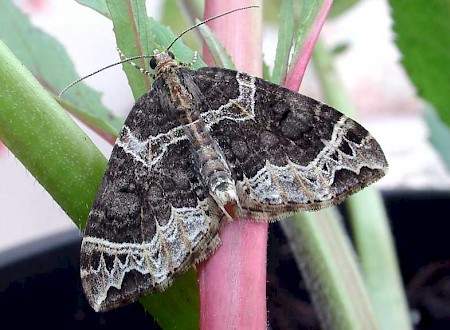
(295, 75)
(233, 281)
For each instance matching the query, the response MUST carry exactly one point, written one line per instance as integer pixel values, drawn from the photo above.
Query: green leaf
(341, 6)
(45, 57)
(271, 11)
(98, 5)
(174, 15)
(423, 35)
(439, 134)
(165, 36)
(296, 25)
(108, 128)
(137, 34)
(133, 37)
(266, 72)
(306, 13)
(284, 45)
(340, 48)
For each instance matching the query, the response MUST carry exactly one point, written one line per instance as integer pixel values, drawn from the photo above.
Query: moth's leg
(191, 63)
(123, 57)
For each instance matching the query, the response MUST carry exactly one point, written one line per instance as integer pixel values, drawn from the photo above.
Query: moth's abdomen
(211, 165)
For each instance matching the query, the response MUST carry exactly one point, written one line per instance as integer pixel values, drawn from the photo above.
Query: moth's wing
(152, 218)
(287, 151)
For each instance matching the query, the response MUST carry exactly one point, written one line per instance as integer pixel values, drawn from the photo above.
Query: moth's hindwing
(287, 151)
(152, 218)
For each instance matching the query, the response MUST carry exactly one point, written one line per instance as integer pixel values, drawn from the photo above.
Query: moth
(199, 149)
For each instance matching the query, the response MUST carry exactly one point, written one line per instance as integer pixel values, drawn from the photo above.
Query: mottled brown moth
(200, 140)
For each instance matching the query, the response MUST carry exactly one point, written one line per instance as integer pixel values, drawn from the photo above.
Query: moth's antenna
(206, 21)
(150, 56)
(100, 70)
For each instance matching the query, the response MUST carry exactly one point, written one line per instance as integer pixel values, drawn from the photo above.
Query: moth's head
(162, 60)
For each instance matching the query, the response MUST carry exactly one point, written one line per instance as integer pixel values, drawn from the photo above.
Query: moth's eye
(171, 55)
(153, 63)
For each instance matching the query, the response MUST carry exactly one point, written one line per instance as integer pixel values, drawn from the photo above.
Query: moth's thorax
(183, 101)
(185, 106)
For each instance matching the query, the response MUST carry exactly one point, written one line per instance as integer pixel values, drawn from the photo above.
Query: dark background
(36, 280)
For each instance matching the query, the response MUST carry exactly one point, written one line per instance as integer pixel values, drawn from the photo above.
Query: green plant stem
(329, 268)
(373, 239)
(178, 306)
(284, 44)
(375, 247)
(46, 140)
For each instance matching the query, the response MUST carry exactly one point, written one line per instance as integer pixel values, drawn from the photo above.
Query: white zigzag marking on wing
(147, 257)
(245, 102)
(317, 177)
(150, 151)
